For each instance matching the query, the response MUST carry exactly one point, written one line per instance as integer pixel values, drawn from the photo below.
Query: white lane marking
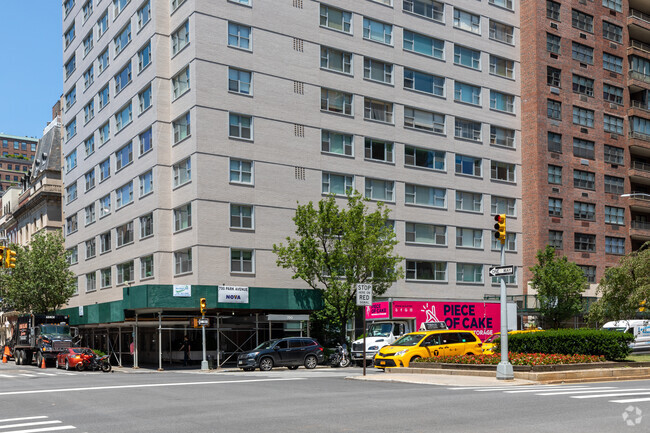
(460, 388)
(27, 374)
(36, 430)
(594, 390)
(29, 424)
(537, 390)
(23, 418)
(147, 385)
(527, 389)
(66, 374)
(616, 394)
(47, 374)
(6, 375)
(631, 400)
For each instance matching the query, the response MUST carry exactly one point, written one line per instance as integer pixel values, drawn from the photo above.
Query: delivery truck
(39, 337)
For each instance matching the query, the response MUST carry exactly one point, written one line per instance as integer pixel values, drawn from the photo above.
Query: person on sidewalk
(185, 347)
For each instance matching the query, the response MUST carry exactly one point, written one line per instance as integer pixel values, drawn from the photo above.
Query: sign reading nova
(233, 294)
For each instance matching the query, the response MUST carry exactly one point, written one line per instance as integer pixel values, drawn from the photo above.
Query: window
(176, 4)
(467, 57)
(144, 15)
(73, 256)
(553, 10)
(90, 248)
(70, 161)
(426, 8)
(639, 125)
(504, 205)
(502, 171)
(89, 111)
(377, 189)
(181, 83)
(584, 211)
(124, 195)
(377, 31)
(424, 45)
(469, 238)
(125, 272)
(105, 242)
(552, 43)
(424, 158)
(336, 142)
(123, 118)
(583, 116)
(183, 217)
(124, 234)
(239, 36)
(181, 37)
(181, 127)
(554, 109)
(144, 98)
(88, 43)
(337, 184)
(71, 193)
(122, 39)
(144, 57)
(613, 94)
(71, 98)
(502, 101)
(582, 53)
(70, 67)
(241, 216)
(71, 130)
(241, 126)
(123, 78)
(145, 142)
(555, 239)
(146, 183)
(103, 97)
(426, 234)
(378, 150)
(146, 226)
(90, 179)
(335, 19)
(336, 60)
(614, 215)
(424, 120)
(242, 261)
(584, 179)
(102, 61)
(104, 170)
(502, 32)
(589, 273)
(469, 273)
(377, 70)
(613, 124)
(614, 185)
(502, 67)
(105, 205)
(554, 207)
(106, 278)
(612, 32)
(510, 244)
(613, 63)
(426, 271)
(469, 201)
(124, 157)
(615, 5)
(241, 171)
(71, 224)
(467, 21)
(585, 242)
(91, 278)
(613, 155)
(87, 9)
(583, 148)
(467, 129)
(424, 82)
(583, 85)
(118, 6)
(182, 172)
(380, 111)
(582, 21)
(553, 76)
(239, 81)
(335, 101)
(102, 24)
(89, 77)
(425, 196)
(183, 261)
(467, 93)
(555, 174)
(146, 267)
(469, 165)
(502, 136)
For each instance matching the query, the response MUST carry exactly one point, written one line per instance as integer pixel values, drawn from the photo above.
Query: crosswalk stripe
(616, 394)
(29, 424)
(22, 418)
(537, 390)
(525, 389)
(461, 388)
(26, 374)
(47, 374)
(37, 430)
(631, 400)
(594, 390)
(6, 375)
(66, 374)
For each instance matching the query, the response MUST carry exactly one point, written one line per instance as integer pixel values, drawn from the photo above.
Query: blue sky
(30, 65)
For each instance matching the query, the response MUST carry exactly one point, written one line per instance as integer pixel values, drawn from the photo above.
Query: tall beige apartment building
(192, 128)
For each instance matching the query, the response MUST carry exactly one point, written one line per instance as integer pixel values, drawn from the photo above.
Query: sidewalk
(442, 379)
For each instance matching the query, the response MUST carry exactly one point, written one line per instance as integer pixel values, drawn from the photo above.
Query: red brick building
(16, 160)
(586, 129)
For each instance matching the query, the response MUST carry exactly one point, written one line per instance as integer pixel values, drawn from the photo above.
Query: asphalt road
(322, 400)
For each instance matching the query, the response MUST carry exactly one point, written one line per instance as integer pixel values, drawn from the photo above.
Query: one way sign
(501, 270)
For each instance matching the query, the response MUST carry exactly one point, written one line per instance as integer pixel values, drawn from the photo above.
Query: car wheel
(17, 357)
(469, 354)
(56, 363)
(39, 359)
(266, 364)
(413, 359)
(311, 362)
(292, 367)
(67, 365)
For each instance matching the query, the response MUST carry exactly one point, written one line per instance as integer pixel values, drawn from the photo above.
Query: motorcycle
(93, 362)
(340, 357)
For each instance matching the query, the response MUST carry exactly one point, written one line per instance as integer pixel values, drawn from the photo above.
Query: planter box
(531, 368)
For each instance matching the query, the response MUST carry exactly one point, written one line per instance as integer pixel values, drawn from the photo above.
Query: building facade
(17, 156)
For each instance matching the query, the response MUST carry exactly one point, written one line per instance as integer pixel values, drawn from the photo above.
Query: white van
(639, 328)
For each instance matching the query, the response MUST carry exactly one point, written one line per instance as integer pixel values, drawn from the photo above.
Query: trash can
(210, 362)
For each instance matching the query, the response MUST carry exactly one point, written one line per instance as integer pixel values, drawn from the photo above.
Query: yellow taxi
(488, 345)
(418, 345)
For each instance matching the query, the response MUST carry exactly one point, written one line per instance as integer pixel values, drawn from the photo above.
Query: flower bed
(517, 359)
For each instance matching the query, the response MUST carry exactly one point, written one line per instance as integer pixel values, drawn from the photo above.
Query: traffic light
(500, 228)
(10, 258)
(2, 256)
(203, 305)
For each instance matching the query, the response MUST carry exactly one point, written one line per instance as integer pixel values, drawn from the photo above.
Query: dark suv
(286, 352)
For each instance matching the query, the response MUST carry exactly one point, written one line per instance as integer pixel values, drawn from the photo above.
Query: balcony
(637, 81)
(638, 48)
(640, 230)
(639, 143)
(639, 202)
(638, 108)
(639, 24)
(640, 172)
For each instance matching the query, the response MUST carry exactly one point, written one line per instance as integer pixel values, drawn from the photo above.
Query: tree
(623, 288)
(41, 281)
(559, 285)
(335, 249)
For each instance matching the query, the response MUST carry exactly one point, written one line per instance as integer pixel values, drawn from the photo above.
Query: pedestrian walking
(185, 348)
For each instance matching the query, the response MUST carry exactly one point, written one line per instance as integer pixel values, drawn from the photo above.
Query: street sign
(364, 295)
(203, 322)
(496, 271)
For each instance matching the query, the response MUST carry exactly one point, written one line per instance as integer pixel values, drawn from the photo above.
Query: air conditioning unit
(584, 161)
(613, 46)
(584, 130)
(613, 106)
(554, 26)
(583, 98)
(583, 36)
(614, 136)
(555, 90)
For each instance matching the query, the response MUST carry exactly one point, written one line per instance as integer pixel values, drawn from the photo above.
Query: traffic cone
(5, 355)
(43, 364)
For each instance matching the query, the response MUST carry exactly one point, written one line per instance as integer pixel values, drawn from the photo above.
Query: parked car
(285, 352)
(418, 345)
(69, 358)
(639, 328)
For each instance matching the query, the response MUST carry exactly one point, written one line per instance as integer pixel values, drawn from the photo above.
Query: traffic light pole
(204, 362)
(504, 369)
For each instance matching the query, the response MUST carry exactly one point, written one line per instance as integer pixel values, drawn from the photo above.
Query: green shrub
(612, 345)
